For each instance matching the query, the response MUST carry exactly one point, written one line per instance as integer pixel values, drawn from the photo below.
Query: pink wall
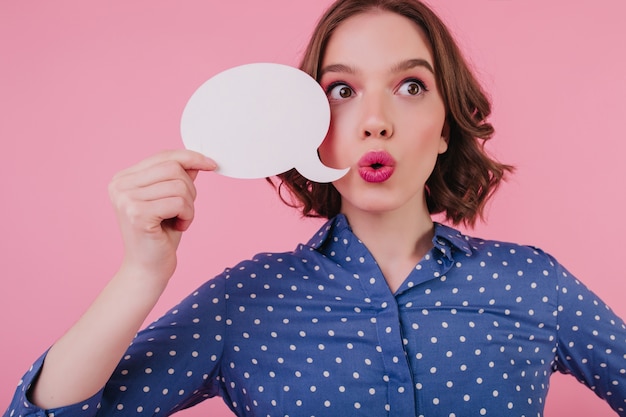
(86, 90)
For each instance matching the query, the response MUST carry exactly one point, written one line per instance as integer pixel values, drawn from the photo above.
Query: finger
(189, 160)
(161, 172)
(184, 216)
(177, 187)
(193, 173)
(152, 216)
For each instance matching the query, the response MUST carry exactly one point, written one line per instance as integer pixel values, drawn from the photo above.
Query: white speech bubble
(259, 120)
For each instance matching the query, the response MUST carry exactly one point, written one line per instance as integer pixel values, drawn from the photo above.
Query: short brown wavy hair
(465, 176)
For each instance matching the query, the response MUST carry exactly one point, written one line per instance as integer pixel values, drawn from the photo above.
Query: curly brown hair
(464, 177)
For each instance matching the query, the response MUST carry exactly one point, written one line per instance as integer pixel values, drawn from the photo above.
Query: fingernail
(211, 162)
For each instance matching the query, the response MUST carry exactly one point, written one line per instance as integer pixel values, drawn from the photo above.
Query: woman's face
(387, 115)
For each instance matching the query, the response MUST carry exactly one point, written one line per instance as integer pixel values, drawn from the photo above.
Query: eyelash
(335, 84)
(417, 81)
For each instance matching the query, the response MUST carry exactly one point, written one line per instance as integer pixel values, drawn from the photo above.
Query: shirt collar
(447, 239)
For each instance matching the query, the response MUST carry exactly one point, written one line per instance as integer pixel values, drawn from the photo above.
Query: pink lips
(376, 166)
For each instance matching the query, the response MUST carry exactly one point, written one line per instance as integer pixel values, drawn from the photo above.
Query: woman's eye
(340, 92)
(412, 88)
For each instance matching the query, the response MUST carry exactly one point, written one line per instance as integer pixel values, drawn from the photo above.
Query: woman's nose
(376, 122)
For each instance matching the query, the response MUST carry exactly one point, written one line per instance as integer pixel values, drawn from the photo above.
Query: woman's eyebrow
(412, 63)
(338, 68)
(401, 66)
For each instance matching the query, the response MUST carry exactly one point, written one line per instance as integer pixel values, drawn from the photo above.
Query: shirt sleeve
(591, 341)
(172, 364)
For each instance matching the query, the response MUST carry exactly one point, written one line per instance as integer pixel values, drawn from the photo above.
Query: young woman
(383, 312)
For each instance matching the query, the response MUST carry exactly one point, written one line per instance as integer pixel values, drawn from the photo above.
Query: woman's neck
(398, 240)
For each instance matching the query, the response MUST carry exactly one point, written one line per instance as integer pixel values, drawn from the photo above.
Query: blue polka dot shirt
(477, 328)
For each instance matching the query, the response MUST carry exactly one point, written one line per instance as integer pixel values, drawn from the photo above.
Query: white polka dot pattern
(477, 328)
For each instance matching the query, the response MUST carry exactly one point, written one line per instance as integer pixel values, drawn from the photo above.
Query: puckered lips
(376, 166)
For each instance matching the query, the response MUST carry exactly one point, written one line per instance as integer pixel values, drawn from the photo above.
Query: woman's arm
(154, 205)
(591, 341)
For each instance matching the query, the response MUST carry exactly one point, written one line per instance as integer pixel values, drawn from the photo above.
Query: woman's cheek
(330, 151)
(326, 150)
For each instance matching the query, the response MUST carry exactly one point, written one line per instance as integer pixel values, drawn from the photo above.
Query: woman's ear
(443, 145)
(445, 138)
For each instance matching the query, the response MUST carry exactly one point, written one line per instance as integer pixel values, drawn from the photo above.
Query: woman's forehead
(378, 38)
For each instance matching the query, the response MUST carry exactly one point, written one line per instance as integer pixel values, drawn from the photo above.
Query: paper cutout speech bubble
(259, 120)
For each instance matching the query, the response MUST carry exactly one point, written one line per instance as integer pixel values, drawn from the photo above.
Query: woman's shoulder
(508, 251)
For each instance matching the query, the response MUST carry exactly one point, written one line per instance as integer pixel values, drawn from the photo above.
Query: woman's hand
(154, 203)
